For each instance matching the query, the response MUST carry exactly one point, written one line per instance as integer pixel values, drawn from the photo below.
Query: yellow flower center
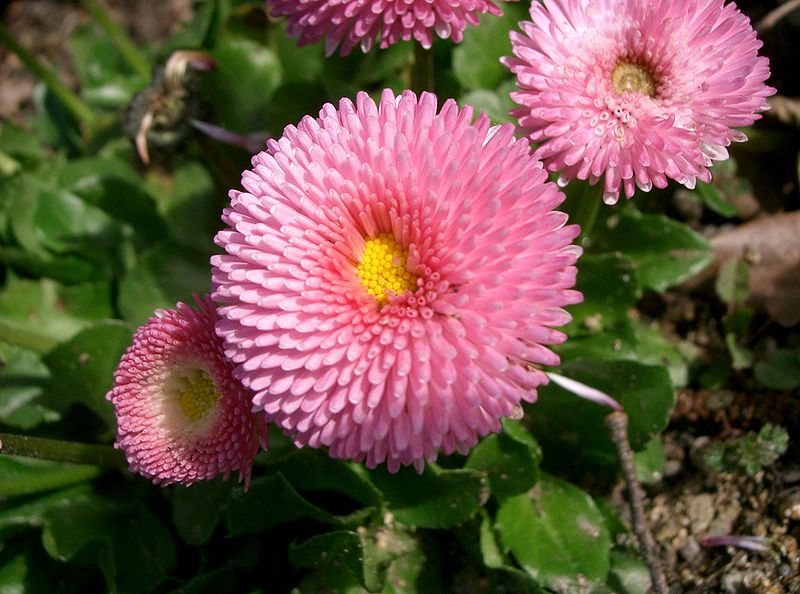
(633, 78)
(384, 268)
(197, 395)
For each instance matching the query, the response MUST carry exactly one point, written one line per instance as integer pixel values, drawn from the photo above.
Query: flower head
(348, 23)
(392, 276)
(181, 415)
(636, 91)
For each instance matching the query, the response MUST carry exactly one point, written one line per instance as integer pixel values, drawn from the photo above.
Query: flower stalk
(61, 451)
(422, 70)
(129, 52)
(74, 104)
(617, 424)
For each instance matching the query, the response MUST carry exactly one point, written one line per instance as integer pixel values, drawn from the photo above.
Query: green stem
(71, 101)
(129, 52)
(422, 71)
(587, 210)
(61, 451)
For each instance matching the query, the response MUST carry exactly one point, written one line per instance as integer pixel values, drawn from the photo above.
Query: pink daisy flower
(348, 23)
(181, 415)
(392, 277)
(636, 91)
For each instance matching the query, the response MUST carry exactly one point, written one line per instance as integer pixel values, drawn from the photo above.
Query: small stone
(701, 512)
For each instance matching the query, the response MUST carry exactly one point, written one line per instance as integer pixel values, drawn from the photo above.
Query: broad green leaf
(495, 103)
(434, 499)
(15, 516)
(312, 470)
(298, 64)
(476, 60)
(39, 314)
(780, 370)
(23, 476)
(510, 460)
(22, 381)
(330, 551)
(664, 251)
(272, 501)
(83, 367)
(197, 509)
(20, 143)
(164, 275)
(104, 81)
(650, 462)
(243, 99)
(111, 184)
(711, 198)
(732, 281)
(628, 575)
(190, 205)
(556, 534)
(127, 542)
(571, 430)
(610, 288)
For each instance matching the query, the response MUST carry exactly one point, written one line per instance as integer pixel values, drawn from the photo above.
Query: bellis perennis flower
(392, 277)
(349, 23)
(636, 92)
(181, 416)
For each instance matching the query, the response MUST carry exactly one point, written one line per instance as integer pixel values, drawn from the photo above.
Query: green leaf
(20, 143)
(39, 314)
(22, 382)
(102, 73)
(732, 282)
(571, 430)
(710, 196)
(610, 288)
(197, 509)
(329, 551)
(83, 367)
(510, 459)
(15, 516)
(127, 542)
(629, 575)
(495, 103)
(476, 60)
(164, 275)
(556, 535)
(191, 206)
(243, 99)
(311, 470)
(23, 476)
(665, 252)
(650, 462)
(272, 501)
(780, 370)
(434, 499)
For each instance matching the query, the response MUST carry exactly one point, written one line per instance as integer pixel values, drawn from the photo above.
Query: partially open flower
(392, 278)
(349, 23)
(636, 92)
(181, 415)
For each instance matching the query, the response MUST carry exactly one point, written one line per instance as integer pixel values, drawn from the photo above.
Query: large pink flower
(360, 22)
(636, 91)
(181, 415)
(391, 278)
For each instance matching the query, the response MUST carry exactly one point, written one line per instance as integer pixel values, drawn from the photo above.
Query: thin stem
(129, 52)
(71, 101)
(774, 16)
(422, 71)
(587, 210)
(617, 423)
(61, 451)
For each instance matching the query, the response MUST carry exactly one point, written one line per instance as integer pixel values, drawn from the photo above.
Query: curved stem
(61, 451)
(587, 210)
(422, 71)
(129, 52)
(82, 112)
(617, 423)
